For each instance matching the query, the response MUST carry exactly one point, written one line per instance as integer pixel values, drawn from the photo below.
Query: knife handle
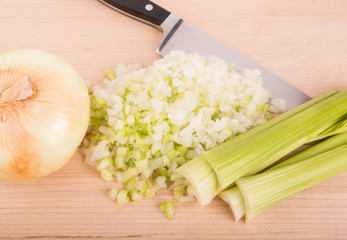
(143, 10)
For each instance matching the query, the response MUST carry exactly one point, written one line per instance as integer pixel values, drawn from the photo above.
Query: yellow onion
(44, 113)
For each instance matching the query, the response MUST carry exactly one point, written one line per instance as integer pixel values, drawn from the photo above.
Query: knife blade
(180, 35)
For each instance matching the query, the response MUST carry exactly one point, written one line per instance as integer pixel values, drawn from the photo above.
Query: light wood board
(303, 41)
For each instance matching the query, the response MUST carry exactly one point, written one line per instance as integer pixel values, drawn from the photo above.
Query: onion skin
(40, 131)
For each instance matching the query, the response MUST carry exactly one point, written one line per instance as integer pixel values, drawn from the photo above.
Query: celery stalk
(234, 198)
(316, 135)
(202, 179)
(327, 145)
(276, 141)
(334, 129)
(265, 189)
(202, 176)
(340, 127)
(233, 195)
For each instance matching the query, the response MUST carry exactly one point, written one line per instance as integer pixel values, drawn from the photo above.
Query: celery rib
(340, 127)
(198, 167)
(202, 179)
(277, 140)
(327, 145)
(234, 198)
(233, 195)
(266, 189)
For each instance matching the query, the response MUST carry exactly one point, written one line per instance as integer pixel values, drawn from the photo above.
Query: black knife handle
(142, 9)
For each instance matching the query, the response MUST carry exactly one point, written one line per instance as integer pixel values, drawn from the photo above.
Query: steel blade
(179, 35)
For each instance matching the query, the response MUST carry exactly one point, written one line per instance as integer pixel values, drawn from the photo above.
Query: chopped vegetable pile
(147, 122)
(242, 159)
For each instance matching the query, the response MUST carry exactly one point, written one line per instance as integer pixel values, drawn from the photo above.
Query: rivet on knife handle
(144, 10)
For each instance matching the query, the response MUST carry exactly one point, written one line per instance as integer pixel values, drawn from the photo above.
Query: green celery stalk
(276, 141)
(340, 127)
(334, 129)
(201, 175)
(268, 188)
(316, 135)
(233, 195)
(324, 146)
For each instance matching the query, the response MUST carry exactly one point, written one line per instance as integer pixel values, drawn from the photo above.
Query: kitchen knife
(179, 35)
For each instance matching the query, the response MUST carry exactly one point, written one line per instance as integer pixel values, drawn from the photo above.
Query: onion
(44, 113)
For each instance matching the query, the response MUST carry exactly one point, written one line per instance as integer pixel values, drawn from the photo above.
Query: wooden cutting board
(303, 41)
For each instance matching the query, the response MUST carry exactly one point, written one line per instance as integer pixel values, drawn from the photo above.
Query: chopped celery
(110, 74)
(104, 163)
(119, 162)
(168, 209)
(141, 186)
(147, 172)
(113, 194)
(122, 197)
(130, 185)
(129, 174)
(265, 189)
(141, 165)
(163, 172)
(122, 151)
(156, 119)
(201, 175)
(151, 190)
(101, 102)
(161, 181)
(106, 175)
(179, 192)
(135, 195)
(119, 176)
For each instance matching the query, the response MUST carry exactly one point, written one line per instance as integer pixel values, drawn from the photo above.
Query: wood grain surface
(303, 41)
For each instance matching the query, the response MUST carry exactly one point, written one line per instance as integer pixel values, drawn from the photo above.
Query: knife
(179, 35)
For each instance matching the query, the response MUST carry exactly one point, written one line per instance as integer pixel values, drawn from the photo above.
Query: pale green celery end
(266, 189)
(326, 145)
(234, 198)
(246, 155)
(202, 179)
